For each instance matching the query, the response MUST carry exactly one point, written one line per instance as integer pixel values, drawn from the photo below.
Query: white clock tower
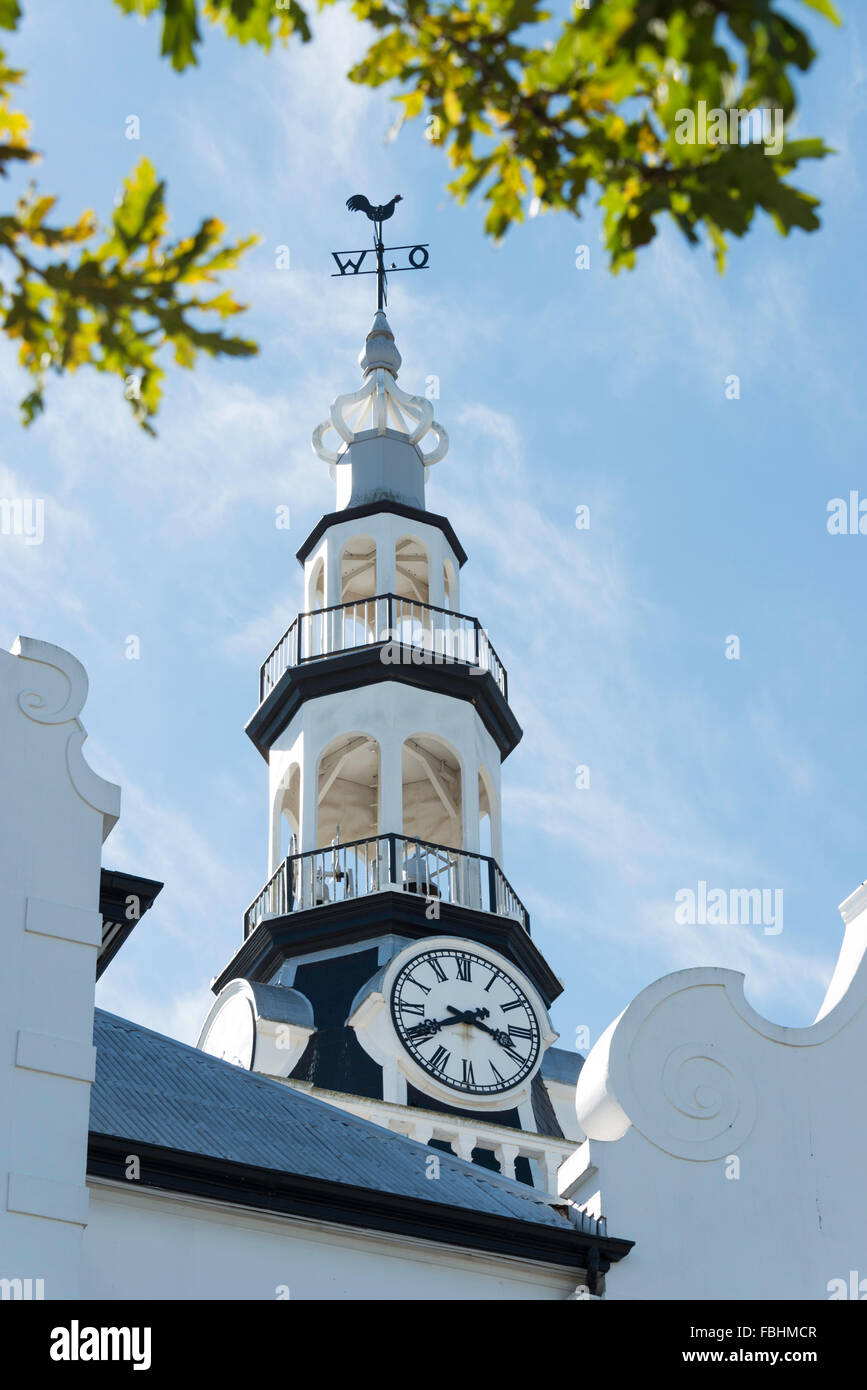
(387, 964)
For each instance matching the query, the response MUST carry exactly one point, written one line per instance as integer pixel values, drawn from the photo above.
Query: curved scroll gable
(38, 701)
(685, 1063)
(102, 795)
(669, 1067)
(38, 704)
(848, 985)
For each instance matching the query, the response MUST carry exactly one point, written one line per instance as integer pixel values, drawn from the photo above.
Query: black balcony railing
(439, 634)
(359, 867)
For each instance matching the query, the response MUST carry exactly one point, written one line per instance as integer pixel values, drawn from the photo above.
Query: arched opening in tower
(412, 573)
(348, 790)
(355, 624)
(432, 791)
(486, 818)
(358, 569)
(412, 617)
(287, 810)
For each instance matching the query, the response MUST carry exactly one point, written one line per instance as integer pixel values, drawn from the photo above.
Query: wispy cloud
(575, 613)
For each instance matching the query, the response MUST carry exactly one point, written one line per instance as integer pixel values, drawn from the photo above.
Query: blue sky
(558, 387)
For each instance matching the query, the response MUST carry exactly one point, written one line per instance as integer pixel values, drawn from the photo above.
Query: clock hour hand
(426, 1029)
(429, 1026)
(475, 1017)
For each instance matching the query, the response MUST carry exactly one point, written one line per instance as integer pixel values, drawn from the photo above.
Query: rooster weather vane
(417, 258)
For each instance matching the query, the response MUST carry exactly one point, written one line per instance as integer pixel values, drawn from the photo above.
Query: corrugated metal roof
(158, 1091)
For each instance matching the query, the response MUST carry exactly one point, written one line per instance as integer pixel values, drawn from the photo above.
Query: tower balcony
(427, 633)
(344, 872)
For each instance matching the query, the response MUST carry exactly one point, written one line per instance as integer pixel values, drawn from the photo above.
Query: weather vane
(418, 256)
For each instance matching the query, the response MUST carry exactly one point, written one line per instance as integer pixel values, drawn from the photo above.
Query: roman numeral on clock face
(437, 968)
(519, 1032)
(463, 963)
(411, 980)
(406, 1008)
(439, 1059)
(513, 1004)
(468, 1079)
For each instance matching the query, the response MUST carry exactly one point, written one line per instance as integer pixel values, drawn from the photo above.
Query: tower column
(436, 581)
(274, 842)
(391, 787)
(332, 576)
(386, 577)
(470, 812)
(309, 800)
(470, 808)
(497, 836)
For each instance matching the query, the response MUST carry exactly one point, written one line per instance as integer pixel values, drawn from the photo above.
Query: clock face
(232, 1034)
(466, 1021)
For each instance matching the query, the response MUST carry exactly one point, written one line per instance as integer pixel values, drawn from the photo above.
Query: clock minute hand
(468, 1016)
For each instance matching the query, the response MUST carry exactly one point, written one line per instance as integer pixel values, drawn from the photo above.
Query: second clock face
(466, 1021)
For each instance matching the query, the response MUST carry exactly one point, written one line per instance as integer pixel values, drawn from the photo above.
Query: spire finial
(380, 349)
(380, 405)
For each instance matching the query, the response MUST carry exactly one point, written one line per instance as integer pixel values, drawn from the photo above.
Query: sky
(559, 388)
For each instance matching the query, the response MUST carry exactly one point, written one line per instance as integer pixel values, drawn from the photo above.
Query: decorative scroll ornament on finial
(380, 405)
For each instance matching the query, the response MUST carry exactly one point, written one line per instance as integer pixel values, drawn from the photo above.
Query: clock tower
(388, 965)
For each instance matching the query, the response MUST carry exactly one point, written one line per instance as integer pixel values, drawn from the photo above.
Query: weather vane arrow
(352, 262)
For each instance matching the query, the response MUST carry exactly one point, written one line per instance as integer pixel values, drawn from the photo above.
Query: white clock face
(466, 1021)
(232, 1035)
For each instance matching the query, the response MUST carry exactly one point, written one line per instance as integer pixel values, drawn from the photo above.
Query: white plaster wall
(729, 1148)
(144, 1245)
(54, 814)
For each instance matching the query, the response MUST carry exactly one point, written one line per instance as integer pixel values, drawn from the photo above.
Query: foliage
(597, 107)
(529, 110)
(533, 110)
(109, 298)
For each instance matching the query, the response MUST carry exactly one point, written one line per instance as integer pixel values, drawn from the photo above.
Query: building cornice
(377, 914)
(329, 675)
(339, 1204)
(371, 509)
(123, 901)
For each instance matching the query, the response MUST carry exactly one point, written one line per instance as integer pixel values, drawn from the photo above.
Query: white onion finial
(380, 349)
(379, 405)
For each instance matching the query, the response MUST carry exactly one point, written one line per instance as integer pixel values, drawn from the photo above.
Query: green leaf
(10, 14)
(824, 7)
(247, 21)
